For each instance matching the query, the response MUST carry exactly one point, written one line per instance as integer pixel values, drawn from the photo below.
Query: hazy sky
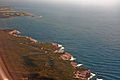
(91, 2)
(85, 2)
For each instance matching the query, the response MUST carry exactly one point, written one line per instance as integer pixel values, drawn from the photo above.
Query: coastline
(79, 73)
(6, 12)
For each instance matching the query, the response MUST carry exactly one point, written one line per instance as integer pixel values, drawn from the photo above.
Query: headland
(6, 12)
(27, 59)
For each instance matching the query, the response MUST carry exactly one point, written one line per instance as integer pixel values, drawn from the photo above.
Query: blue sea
(89, 33)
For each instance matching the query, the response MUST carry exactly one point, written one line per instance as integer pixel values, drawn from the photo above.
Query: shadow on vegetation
(28, 61)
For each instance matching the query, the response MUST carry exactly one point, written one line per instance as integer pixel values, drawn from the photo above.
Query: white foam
(40, 16)
(99, 79)
(92, 75)
(62, 48)
(72, 59)
(59, 45)
(79, 65)
(61, 51)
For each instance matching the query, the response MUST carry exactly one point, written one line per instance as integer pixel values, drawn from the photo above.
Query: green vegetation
(36, 61)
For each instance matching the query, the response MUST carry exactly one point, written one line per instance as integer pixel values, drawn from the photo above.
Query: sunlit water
(91, 34)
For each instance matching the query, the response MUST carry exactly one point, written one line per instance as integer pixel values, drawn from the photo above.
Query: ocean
(91, 34)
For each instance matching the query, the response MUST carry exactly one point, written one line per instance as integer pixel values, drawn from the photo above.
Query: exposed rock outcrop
(74, 64)
(31, 39)
(14, 32)
(58, 48)
(82, 73)
(67, 56)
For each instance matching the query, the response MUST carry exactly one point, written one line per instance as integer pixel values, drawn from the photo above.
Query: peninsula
(23, 58)
(5, 12)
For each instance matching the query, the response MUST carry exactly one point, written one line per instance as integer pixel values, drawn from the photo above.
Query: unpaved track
(4, 74)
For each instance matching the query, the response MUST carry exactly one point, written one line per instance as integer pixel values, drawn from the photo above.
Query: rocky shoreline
(79, 73)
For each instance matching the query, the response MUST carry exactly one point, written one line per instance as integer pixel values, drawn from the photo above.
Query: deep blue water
(91, 34)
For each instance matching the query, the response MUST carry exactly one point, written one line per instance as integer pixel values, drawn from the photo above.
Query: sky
(85, 2)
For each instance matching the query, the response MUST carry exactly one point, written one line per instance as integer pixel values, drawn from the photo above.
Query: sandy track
(4, 74)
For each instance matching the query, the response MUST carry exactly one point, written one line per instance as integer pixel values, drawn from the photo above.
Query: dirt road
(4, 74)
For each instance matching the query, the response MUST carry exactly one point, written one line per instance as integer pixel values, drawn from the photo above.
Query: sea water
(90, 34)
